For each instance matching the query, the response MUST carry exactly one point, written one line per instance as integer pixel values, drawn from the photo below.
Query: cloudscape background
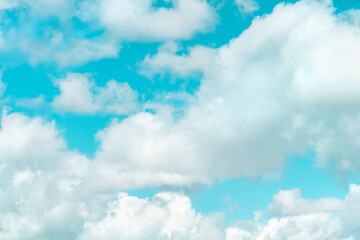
(180, 119)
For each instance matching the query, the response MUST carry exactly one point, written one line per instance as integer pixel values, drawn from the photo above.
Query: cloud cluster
(288, 84)
(80, 95)
(63, 195)
(141, 21)
(298, 218)
(165, 216)
(69, 32)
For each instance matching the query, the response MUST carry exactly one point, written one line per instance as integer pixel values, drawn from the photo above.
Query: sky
(179, 119)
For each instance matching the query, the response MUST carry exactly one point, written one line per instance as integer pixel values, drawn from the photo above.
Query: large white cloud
(287, 84)
(51, 194)
(37, 175)
(80, 95)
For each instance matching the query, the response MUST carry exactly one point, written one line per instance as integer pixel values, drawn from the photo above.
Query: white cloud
(288, 202)
(247, 6)
(50, 193)
(200, 58)
(287, 84)
(107, 24)
(165, 216)
(326, 218)
(140, 21)
(40, 179)
(23, 139)
(80, 95)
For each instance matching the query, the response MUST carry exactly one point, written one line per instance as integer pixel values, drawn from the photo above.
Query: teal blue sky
(236, 169)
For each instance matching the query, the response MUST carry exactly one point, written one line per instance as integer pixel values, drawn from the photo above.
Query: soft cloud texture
(287, 84)
(80, 95)
(140, 21)
(70, 32)
(326, 218)
(23, 139)
(51, 194)
(68, 52)
(165, 216)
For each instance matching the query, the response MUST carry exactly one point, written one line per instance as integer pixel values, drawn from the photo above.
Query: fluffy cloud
(23, 139)
(141, 21)
(287, 84)
(51, 194)
(165, 216)
(36, 181)
(326, 218)
(288, 202)
(80, 95)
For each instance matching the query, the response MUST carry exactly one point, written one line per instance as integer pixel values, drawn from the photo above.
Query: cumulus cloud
(326, 218)
(165, 216)
(287, 84)
(80, 95)
(35, 180)
(288, 202)
(23, 139)
(141, 21)
(51, 194)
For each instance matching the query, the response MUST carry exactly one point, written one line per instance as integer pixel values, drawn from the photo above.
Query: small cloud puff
(80, 95)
